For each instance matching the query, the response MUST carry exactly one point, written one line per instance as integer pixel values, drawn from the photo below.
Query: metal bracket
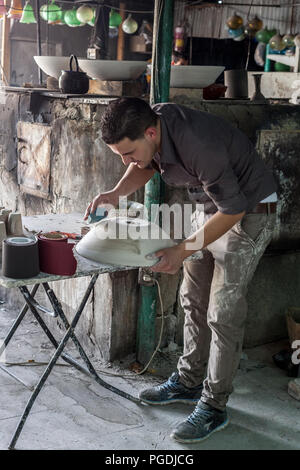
(39, 307)
(146, 277)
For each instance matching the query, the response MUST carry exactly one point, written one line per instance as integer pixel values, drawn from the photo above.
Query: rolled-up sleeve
(219, 180)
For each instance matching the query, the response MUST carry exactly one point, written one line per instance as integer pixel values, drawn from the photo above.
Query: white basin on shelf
(53, 65)
(119, 70)
(194, 76)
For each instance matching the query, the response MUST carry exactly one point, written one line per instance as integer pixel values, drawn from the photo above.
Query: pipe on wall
(160, 84)
(38, 36)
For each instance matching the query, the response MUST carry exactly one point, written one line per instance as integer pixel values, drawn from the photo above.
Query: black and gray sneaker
(203, 422)
(171, 391)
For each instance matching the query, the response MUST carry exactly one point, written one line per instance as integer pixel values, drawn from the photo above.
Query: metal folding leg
(90, 368)
(59, 350)
(12, 332)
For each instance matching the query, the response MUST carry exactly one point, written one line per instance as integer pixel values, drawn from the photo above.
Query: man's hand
(110, 198)
(171, 260)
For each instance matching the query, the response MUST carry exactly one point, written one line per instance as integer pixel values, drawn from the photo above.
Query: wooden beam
(121, 38)
(5, 54)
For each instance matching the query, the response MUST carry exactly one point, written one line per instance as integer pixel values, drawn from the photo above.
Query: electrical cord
(161, 329)
(249, 39)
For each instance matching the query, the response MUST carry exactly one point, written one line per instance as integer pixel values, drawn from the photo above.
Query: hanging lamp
(297, 40)
(92, 22)
(114, 19)
(28, 14)
(42, 12)
(15, 10)
(71, 18)
(60, 19)
(276, 43)
(235, 22)
(288, 40)
(84, 14)
(264, 35)
(50, 12)
(130, 25)
(253, 25)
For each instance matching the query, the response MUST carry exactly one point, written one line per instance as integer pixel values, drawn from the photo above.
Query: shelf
(291, 61)
(282, 59)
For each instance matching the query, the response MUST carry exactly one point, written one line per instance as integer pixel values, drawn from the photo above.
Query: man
(221, 170)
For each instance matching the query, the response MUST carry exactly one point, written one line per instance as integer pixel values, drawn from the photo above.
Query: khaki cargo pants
(213, 296)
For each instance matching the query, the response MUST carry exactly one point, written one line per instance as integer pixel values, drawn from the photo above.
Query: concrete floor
(73, 412)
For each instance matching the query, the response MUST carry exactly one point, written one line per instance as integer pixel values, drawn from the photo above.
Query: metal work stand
(34, 306)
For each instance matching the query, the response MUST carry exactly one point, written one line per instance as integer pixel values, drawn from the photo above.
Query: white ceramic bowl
(113, 69)
(123, 241)
(53, 65)
(194, 76)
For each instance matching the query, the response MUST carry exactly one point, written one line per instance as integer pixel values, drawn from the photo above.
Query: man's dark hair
(126, 117)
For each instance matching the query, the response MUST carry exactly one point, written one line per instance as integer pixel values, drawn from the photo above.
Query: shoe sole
(191, 401)
(200, 439)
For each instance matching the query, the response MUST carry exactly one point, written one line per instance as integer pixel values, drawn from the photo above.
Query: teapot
(73, 81)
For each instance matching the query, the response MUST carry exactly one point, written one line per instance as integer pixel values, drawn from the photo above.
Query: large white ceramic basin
(194, 76)
(123, 241)
(113, 69)
(53, 65)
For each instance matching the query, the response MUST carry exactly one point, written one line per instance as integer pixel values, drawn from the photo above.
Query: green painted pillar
(268, 66)
(160, 83)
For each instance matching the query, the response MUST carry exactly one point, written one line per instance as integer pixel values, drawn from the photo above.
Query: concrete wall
(82, 166)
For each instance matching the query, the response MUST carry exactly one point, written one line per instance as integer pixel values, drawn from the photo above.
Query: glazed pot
(73, 81)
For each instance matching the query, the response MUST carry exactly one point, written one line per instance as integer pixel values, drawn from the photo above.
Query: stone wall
(81, 167)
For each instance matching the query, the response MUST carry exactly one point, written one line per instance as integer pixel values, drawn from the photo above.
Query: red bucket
(56, 254)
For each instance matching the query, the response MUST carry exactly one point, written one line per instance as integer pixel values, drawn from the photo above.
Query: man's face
(140, 151)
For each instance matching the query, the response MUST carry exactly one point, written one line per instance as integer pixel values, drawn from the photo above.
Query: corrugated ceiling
(210, 21)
